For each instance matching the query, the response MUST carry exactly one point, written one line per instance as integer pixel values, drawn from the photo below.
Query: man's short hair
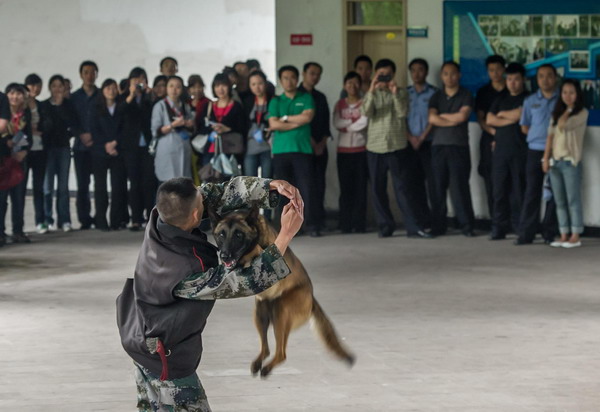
(385, 63)
(451, 63)
(87, 63)
(56, 77)
(164, 59)
(288, 68)
(495, 58)
(514, 68)
(352, 75)
(159, 78)
(548, 65)
(32, 79)
(259, 74)
(175, 200)
(307, 65)
(253, 64)
(363, 58)
(420, 61)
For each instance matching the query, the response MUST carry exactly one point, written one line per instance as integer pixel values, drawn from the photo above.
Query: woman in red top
(223, 116)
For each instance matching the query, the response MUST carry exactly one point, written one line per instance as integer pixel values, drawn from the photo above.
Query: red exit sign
(301, 39)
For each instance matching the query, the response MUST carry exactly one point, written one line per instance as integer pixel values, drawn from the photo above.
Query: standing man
(485, 96)
(509, 153)
(320, 133)
(363, 65)
(168, 66)
(84, 101)
(386, 106)
(289, 117)
(535, 119)
(421, 177)
(449, 110)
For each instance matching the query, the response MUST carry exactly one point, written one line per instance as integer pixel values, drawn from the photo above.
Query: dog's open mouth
(229, 264)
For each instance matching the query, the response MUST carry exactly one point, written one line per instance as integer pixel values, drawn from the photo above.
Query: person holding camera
(136, 137)
(172, 126)
(386, 106)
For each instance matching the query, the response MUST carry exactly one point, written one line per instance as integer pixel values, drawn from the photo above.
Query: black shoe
(360, 230)
(135, 227)
(386, 232)
(520, 241)
(421, 234)
(86, 227)
(20, 238)
(315, 233)
(547, 241)
(497, 236)
(2, 241)
(468, 233)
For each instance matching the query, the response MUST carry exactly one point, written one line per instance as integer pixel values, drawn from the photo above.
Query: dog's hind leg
(282, 325)
(262, 319)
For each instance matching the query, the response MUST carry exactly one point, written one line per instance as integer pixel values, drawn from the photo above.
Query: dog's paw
(255, 367)
(350, 360)
(265, 372)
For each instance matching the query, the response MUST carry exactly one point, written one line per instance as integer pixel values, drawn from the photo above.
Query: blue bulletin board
(565, 34)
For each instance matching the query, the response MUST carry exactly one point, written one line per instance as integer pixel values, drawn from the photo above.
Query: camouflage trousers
(176, 395)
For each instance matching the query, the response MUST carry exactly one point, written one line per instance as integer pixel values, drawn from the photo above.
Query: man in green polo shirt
(289, 117)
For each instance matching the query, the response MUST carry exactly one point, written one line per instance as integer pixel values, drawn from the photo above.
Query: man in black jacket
(163, 310)
(319, 128)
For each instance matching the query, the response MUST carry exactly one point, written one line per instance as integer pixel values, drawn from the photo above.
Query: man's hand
(289, 191)
(291, 222)
(393, 87)
(86, 139)
(19, 156)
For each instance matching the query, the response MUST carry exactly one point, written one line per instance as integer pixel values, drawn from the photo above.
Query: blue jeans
(566, 187)
(57, 164)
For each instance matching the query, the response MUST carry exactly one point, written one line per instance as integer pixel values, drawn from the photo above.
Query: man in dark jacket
(163, 310)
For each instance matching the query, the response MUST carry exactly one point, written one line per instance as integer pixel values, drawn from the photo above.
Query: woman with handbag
(258, 149)
(107, 120)
(172, 127)
(224, 118)
(18, 133)
(198, 102)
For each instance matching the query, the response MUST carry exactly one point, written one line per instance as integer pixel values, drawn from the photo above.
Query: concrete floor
(450, 324)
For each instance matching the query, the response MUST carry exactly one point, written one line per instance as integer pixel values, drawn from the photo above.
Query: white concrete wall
(203, 35)
(323, 18)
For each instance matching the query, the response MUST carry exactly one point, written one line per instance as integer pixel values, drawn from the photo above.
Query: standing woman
(352, 156)
(258, 149)
(172, 125)
(198, 102)
(136, 137)
(226, 115)
(107, 128)
(58, 124)
(36, 158)
(19, 127)
(562, 160)
(159, 88)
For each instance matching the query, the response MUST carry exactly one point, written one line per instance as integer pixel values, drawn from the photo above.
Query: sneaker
(570, 245)
(66, 227)
(20, 238)
(42, 228)
(557, 243)
(52, 227)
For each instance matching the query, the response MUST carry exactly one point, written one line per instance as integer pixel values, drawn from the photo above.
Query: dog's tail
(327, 333)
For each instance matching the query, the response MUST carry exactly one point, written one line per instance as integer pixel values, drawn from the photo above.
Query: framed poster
(564, 34)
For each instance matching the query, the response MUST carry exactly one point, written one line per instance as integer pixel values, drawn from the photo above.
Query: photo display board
(565, 34)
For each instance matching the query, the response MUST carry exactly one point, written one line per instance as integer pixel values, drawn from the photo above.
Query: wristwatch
(284, 118)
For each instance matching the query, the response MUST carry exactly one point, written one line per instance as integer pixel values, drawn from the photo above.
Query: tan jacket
(567, 143)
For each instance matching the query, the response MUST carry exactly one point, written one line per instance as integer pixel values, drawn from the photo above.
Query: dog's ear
(252, 217)
(214, 217)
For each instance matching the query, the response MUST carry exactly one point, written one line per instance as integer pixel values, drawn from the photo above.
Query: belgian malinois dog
(289, 304)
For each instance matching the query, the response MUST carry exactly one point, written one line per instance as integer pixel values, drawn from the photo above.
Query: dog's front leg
(262, 319)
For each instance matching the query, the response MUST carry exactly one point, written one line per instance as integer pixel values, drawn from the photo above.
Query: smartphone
(384, 78)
